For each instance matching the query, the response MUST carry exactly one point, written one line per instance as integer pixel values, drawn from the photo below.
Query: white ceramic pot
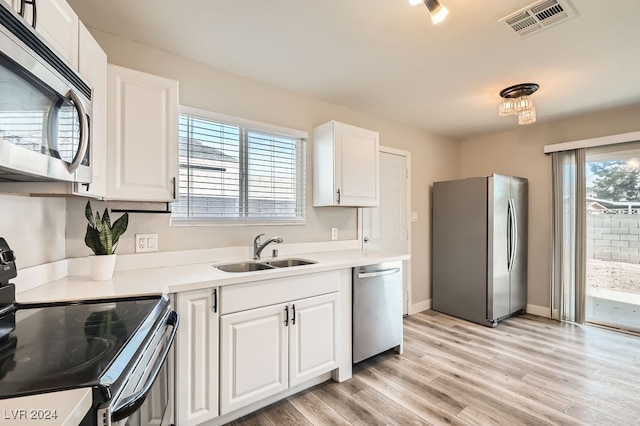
(102, 266)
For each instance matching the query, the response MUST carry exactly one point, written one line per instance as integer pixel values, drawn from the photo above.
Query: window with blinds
(236, 172)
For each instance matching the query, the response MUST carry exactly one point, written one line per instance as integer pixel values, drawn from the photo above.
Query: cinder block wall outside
(614, 237)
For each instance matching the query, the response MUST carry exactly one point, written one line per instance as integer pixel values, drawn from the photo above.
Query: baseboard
(541, 311)
(420, 306)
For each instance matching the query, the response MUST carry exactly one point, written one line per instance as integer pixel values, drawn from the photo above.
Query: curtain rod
(593, 142)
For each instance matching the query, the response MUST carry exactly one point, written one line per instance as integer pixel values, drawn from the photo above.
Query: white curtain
(569, 236)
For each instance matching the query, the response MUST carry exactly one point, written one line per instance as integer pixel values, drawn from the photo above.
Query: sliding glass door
(612, 291)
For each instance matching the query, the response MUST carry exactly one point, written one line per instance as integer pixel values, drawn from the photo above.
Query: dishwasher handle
(378, 273)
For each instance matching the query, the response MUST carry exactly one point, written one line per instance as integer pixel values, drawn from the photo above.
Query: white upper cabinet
(93, 68)
(345, 166)
(142, 154)
(58, 24)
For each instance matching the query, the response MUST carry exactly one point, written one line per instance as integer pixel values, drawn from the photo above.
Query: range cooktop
(67, 345)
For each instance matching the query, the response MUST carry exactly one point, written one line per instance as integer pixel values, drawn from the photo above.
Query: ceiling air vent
(538, 16)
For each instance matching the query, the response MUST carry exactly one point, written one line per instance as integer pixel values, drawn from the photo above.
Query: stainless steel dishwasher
(377, 309)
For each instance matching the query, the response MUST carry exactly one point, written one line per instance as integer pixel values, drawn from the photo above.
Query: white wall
(520, 153)
(211, 89)
(34, 228)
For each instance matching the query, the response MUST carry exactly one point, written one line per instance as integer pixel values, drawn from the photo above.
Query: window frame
(244, 124)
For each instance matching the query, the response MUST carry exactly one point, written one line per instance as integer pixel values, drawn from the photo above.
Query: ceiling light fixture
(516, 101)
(437, 11)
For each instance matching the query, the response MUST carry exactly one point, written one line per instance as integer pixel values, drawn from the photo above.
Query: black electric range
(117, 347)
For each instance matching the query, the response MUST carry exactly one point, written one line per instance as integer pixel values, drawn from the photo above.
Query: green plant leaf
(106, 220)
(118, 228)
(88, 213)
(98, 222)
(92, 240)
(106, 240)
(101, 237)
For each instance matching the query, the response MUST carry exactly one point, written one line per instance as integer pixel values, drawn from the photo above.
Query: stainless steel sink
(243, 267)
(286, 263)
(249, 266)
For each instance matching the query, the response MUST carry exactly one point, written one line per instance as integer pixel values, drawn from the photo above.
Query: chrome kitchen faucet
(257, 247)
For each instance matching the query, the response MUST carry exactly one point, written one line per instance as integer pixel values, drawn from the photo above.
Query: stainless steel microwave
(45, 109)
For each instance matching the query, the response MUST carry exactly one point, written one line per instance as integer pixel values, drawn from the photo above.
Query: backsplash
(34, 228)
(177, 238)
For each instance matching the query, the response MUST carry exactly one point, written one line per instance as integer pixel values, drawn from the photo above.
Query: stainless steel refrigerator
(479, 248)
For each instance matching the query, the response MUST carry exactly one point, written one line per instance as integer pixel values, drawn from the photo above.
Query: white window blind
(235, 172)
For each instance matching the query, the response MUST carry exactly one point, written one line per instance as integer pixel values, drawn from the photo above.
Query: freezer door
(499, 248)
(459, 251)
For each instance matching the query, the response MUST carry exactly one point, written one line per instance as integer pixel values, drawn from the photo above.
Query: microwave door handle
(84, 132)
(131, 404)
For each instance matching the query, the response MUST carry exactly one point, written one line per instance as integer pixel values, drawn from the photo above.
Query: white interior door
(385, 228)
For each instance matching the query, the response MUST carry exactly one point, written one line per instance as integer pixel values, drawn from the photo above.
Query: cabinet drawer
(239, 297)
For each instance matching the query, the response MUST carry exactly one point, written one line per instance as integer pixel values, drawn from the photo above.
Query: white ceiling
(385, 58)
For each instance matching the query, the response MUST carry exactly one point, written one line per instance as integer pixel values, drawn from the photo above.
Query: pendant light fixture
(516, 101)
(437, 11)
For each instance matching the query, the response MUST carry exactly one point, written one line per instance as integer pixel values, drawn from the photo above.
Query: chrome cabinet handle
(34, 14)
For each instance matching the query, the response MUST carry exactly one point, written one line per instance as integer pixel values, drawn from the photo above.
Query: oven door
(147, 397)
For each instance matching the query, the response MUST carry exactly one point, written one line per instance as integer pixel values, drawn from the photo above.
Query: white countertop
(66, 408)
(172, 279)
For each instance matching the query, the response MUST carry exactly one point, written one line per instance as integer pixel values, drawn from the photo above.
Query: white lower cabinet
(197, 357)
(267, 350)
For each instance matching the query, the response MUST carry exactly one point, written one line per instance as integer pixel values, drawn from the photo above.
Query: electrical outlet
(146, 243)
(334, 233)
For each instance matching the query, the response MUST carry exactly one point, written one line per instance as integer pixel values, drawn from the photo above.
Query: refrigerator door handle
(512, 234)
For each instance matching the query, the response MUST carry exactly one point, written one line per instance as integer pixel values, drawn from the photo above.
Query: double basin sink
(249, 265)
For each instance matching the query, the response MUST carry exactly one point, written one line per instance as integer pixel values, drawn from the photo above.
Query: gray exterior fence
(614, 237)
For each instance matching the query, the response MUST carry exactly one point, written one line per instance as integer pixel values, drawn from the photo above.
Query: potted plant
(102, 238)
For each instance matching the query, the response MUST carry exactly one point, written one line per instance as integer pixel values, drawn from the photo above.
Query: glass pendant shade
(527, 116)
(507, 107)
(523, 103)
(515, 101)
(437, 11)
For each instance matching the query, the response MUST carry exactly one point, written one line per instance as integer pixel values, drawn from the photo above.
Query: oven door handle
(132, 403)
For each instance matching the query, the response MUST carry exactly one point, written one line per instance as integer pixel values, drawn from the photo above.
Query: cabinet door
(15, 5)
(58, 24)
(253, 357)
(313, 337)
(356, 165)
(197, 357)
(93, 68)
(142, 156)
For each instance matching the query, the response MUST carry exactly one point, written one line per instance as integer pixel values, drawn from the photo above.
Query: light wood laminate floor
(527, 371)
